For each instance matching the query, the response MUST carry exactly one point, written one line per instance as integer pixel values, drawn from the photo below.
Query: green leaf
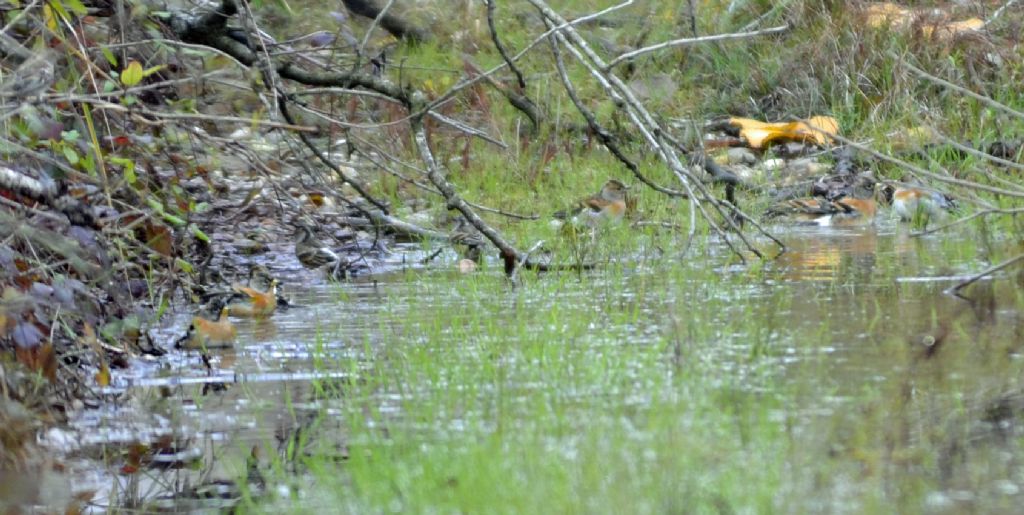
(159, 209)
(150, 71)
(155, 205)
(89, 163)
(185, 266)
(198, 233)
(63, 13)
(76, 7)
(129, 168)
(70, 154)
(132, 74)
(109, 56)
(174, 220)
(108, 86)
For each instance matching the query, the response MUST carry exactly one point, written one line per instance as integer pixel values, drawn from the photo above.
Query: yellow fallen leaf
(758, 134)
(760, 137)
(886, 14)
(948, 30)
(821, 128)
(103, 375)
(749, 123)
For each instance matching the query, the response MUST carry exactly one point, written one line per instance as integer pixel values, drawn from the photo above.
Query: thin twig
(691, 41)
(955, 290)
(972, 216)
(999, 11)
(501, 47)
(959, 89)
(606, 137)
(948, 178)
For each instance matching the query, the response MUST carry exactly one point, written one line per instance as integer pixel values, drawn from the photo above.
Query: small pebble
(741, 156)
(467, 266)
(806, 168)
(247, 246)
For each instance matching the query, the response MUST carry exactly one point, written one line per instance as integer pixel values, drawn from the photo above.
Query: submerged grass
(672, 386)
(670, 379)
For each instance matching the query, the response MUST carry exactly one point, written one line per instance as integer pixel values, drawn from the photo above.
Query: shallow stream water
(837, 378)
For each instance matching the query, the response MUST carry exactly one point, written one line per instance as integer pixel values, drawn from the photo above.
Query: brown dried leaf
(41, 359)
(158, 238)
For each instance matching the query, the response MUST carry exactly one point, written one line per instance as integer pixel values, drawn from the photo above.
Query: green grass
(665, 386)
(672, 382)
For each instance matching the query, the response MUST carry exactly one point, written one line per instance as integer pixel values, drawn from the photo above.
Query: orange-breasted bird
(206, 334)
(250, 302)
(920, 204)
(608, 205)
(841, 211)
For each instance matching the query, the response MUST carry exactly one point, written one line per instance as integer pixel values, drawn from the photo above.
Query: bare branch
(999, 12)
(955, 290)
(917, 170)
(959, 89)
(628, 56)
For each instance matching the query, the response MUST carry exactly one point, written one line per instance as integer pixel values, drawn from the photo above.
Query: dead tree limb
(398, 27)
(651, 131)
(49, 194)
(607, 139)
(491, 7)
(210, 29)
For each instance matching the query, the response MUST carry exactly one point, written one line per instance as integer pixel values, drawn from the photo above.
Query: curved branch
(283, 106)
(398, 27)
(210, 29)
(501, 47)
(606, 137)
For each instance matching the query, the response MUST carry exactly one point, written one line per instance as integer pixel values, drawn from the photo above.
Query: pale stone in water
(467, 266)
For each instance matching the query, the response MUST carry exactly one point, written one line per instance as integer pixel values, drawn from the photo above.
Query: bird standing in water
(920, 205)
(467, 237)
(250, 302)
(608, 205)
(842, 211)
(313, 253)
(206, 334)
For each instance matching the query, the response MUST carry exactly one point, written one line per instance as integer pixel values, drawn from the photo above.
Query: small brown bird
(608, 205)
(920, 205)
(844, 211)
(250, 302)
(206, 334)
(313, 253)
(465, 235)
